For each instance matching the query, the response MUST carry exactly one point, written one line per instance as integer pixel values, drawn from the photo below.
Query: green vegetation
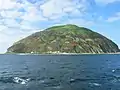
(64, 39)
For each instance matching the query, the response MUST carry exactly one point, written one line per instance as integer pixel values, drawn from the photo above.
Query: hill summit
(64, 39)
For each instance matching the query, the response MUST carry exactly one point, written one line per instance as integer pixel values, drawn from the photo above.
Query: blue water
(60, 72)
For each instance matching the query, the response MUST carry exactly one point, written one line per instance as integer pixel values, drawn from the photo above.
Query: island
(64, 39)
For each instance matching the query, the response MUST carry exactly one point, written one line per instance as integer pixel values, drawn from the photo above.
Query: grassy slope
(56, 38)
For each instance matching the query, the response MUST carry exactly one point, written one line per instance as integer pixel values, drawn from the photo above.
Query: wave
(20, 80)
(16, 80)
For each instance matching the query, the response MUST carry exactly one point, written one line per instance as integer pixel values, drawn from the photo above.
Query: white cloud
(2, 27)
(9, 36)
(10, 29)
(33, 14)
(76, 13)
(119, 46)
(11, 14)
(105, 1)
(53, 7)
(26, 25)
(116, 17)
(59, 7)
(11, 23)
(79, 22)
(7, 4)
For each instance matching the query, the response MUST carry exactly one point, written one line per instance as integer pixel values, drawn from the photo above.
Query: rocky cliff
(64, 39)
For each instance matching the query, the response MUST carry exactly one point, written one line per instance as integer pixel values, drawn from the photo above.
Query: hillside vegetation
(64, 39)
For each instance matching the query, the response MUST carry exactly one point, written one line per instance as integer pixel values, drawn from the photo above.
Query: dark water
(70, 72)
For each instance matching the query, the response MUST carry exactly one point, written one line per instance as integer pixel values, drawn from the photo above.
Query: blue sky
(20, 18)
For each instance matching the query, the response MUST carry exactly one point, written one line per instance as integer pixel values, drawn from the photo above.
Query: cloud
(119, 46)
(58, 8)
(9, 36)
(79, 22)
(33, 14)
(7, 4)
(11, 13)
(28, 11)
(17, 13)
(13, 26)
(105, 2)
(116, 17)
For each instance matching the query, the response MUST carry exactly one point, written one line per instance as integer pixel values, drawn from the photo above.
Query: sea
(60, 72)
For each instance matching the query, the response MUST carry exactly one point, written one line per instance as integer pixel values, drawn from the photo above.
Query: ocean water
(60, 72)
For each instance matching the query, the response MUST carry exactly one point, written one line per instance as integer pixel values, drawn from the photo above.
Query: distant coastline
(59, 53)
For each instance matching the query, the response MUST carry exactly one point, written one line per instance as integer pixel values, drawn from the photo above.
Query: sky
(20, 18)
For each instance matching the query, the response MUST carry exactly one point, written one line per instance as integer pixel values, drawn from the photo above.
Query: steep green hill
(64, 39)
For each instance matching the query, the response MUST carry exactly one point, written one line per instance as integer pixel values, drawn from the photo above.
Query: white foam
(42, 81)
(20, 80)
(113, 70)
(95, 84)
(23, 82)
(57, 87)
(72, 79)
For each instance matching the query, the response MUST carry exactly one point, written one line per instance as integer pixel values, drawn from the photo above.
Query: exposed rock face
(64, 39)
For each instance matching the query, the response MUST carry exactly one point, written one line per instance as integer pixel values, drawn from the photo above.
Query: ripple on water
(4, 72)
(80, 79)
